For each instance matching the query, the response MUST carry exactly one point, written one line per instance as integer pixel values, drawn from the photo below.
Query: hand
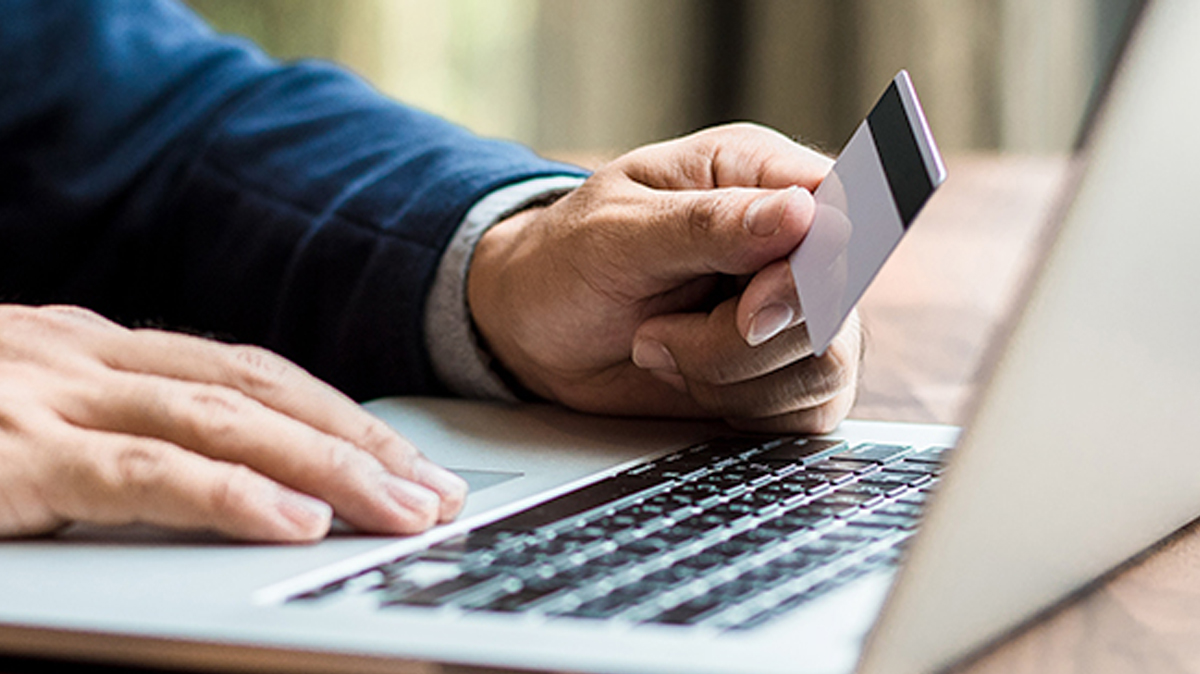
(107, 425)
(603, 300)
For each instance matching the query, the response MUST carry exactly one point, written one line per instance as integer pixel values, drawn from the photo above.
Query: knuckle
(76, 313)
(52, 318)
(702, 215)
(732, 130)
(379, 439)
(26, 503)
(342, 458)
(58, 318)
(229, 495)
(375, 435)
(823, 378)
(139, 468)
(214, 411)
(749, 128)
(102, 483)
(257, 369)
(107, 487)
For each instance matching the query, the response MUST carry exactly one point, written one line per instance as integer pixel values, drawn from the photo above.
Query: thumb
(729, 231)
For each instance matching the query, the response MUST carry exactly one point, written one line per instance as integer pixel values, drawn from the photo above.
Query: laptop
(598, 545)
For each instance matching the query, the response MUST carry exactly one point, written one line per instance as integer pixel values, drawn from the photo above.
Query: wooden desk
(929, 315)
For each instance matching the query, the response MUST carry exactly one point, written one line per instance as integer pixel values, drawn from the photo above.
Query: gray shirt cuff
(458, 360)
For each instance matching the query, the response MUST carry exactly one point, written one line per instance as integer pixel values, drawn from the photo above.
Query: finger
(708, 348)
(823, 418)
(736, 155)
(769, 304)
(108, 478)
(628, 390)
(807, 383)
(733, 380)
(285, 387)
(226, 425)
(729, 231)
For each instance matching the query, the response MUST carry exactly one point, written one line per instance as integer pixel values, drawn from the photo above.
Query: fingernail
(441, 480)
(412, 496)
(768, 322)
(651, 355)
(765, 216)
(305, 512)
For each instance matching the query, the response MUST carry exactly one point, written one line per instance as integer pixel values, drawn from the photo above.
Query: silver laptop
(596, 545)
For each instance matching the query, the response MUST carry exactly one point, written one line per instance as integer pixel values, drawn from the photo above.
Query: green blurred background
(570, 76)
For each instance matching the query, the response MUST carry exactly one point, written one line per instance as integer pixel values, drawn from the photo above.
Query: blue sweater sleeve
(157, 172)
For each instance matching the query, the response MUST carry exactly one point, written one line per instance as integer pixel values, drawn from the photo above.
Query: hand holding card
(880, 181)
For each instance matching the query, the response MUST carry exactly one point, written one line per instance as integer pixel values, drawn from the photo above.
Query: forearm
(166, 174)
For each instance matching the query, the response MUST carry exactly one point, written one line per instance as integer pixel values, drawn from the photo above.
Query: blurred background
(1005, 84)
(603, 76)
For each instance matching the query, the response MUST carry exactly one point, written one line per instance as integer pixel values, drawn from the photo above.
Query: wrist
(495, 303)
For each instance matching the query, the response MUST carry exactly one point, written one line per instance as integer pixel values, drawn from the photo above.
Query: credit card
(876, 188)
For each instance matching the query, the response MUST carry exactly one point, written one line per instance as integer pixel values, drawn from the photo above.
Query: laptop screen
(1059, 477)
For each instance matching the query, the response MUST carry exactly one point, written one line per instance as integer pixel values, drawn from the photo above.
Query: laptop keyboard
(729, 533)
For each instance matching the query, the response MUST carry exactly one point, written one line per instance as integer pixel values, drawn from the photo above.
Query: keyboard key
(739, 445)
(646, 547)
(887, 476)
(733, 592)
(844, 465)
(435, 595)
(766, 576)
(648, 511)
(797, 562)
(802, 518)
(761, 499)
(732, 549)
(850, 536)
(879, 453)
(809, 481)
(689, 612)
(681, 533)
(616, 559)
(709, 521)
(800, 451)
(915, 497)
(833, 476)
(602, 607)
(782, 492)
(843, 500)
(584, 534)
(582, 573)
(870, 487)
(886, 558)
(901, 509)
(729, 512)
(885, 521)
(921, 467)
(671, 576)
(762, 537)
(930, 455)
(573, 503)
(522, 598)
(702, 561)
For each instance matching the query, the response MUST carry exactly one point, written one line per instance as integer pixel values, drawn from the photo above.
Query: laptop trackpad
(478, 480)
